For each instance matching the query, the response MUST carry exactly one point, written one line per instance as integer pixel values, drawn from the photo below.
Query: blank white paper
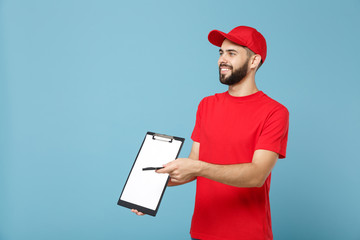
(144, 188)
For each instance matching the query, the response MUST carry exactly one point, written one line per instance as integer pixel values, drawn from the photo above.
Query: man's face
(233, 63)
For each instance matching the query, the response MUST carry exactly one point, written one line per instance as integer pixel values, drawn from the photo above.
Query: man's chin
(230, 80)
(224, 81)
(224, 78)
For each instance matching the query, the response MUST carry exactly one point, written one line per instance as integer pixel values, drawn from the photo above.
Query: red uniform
(229, 130)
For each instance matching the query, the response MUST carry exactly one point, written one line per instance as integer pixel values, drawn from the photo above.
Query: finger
(168, 168)
(174, 180)
(137, 212)
(134, 210)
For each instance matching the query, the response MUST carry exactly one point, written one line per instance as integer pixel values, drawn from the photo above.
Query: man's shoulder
(275, 105)
(214, 97)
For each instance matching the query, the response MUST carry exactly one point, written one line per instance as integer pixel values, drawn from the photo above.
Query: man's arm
(251, 174)
(194, 155)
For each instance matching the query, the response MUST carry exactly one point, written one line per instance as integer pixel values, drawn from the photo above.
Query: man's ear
(255, 61)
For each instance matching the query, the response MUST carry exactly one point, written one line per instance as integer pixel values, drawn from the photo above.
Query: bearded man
(238, 137)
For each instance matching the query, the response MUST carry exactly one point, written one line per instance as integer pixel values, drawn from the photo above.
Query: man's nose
(222, 59)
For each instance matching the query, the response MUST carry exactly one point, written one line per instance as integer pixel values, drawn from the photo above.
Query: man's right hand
(137, 212)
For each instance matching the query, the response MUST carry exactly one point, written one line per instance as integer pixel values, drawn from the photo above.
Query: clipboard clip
(163, 137)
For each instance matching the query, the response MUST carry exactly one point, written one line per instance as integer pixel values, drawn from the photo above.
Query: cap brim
(216, 37)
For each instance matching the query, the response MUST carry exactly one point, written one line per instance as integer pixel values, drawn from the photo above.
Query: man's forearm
(251, 174)
(238, 175)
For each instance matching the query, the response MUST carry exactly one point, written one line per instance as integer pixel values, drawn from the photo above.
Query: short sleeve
(274, 134)
(195, 136)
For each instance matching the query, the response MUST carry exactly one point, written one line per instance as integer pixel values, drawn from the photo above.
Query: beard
(236, 76)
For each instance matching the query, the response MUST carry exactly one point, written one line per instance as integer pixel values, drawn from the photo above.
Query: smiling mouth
(225, 69)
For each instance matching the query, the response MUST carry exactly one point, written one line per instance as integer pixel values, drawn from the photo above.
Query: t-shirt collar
(250, 97)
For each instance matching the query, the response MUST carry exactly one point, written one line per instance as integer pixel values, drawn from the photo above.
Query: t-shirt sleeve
(274, 134)
(195, 136)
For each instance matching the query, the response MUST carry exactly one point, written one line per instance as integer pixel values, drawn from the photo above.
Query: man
(238, 137)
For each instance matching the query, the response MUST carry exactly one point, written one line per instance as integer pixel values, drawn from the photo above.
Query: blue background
(82, 82)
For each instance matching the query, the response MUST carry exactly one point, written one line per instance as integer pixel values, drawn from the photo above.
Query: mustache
(225, 65)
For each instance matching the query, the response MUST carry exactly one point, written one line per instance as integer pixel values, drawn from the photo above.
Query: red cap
(245, 36)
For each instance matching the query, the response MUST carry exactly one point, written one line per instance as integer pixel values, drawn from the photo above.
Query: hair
(250, 53)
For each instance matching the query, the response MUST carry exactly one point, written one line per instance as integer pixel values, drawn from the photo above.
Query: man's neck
(243, 88)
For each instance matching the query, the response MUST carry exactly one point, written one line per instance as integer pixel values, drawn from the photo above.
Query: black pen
(152, 168)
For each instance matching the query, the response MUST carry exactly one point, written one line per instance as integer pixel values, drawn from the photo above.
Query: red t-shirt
(229, 130)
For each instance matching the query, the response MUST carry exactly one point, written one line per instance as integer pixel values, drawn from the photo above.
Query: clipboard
(144, 190)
